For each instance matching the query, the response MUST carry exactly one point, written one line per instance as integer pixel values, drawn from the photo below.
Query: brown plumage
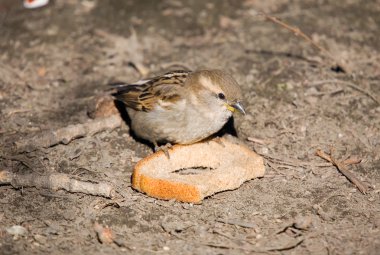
(181, 106)
(144, 95)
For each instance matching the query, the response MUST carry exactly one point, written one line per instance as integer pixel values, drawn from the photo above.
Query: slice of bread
(196, 171)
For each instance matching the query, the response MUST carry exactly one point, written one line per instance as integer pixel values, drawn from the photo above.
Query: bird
(181, 106)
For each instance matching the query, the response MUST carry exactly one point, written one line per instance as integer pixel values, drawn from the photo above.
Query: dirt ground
(55, 60)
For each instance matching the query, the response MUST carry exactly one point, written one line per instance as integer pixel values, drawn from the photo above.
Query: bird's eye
(221, 96)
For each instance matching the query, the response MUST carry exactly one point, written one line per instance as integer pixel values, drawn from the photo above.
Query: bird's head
(218, 88)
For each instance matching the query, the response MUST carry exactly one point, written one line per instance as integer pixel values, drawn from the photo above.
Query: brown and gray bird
(180, 107)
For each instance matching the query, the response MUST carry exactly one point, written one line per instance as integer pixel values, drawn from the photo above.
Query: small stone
(302, 222)
(16, 230)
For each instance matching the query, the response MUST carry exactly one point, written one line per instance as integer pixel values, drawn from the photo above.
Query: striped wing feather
(145, 96)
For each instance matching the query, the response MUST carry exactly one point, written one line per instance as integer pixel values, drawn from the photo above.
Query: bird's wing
(146, 94)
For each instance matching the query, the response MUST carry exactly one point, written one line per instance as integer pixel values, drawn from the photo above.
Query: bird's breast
(184, 124)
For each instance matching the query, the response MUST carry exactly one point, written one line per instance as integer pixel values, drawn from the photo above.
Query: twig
(292, 162)
(352, 161)
(258, 140)
(139, 67)
(239, 223)
(299, 33)
(288, 246)
(67, 134)
(291, 245)
(229, 237)
(334, 92)
(22, 159)
(56, 182)
(343, 169)
(349, 84)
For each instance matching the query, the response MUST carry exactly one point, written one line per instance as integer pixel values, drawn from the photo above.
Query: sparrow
(180, 107)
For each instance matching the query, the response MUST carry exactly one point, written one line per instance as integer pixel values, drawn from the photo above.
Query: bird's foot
(164, 148)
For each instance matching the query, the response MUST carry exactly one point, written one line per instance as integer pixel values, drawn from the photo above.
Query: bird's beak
(236, 106)
(239, 107)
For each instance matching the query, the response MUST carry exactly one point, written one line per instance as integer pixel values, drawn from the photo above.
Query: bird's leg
(165, 148)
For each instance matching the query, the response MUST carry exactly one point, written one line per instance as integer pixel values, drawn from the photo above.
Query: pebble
(16, 230)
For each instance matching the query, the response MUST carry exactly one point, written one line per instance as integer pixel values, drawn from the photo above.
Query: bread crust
(232, 164)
